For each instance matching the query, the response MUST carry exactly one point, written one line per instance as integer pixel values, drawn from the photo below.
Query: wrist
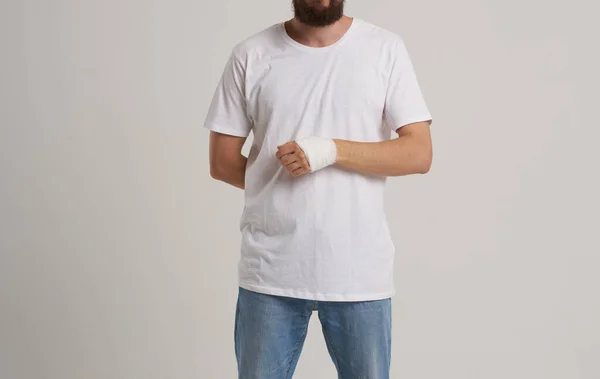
(338, 149)
(319, 151)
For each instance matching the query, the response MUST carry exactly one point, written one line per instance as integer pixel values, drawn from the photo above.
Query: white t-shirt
(323, 235)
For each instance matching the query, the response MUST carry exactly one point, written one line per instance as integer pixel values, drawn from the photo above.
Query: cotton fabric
(323, 235)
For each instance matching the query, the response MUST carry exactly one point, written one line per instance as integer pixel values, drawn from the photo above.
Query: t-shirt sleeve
(404, 102)
(227, 113)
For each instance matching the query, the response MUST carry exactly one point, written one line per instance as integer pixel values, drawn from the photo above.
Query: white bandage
(320, 152)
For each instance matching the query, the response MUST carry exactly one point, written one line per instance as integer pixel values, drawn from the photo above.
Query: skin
(409, 153)
(227, 163)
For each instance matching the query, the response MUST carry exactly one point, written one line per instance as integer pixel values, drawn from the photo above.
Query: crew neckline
(284, 34)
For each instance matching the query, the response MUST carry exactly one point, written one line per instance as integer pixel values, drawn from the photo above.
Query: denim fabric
(270, 332)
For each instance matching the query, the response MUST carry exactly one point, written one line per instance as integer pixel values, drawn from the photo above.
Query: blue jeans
(270, 332)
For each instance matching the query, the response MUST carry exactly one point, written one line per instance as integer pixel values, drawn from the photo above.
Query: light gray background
(119, 252)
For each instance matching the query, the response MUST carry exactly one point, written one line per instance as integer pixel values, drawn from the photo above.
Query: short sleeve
(227, 112)
(404, 102)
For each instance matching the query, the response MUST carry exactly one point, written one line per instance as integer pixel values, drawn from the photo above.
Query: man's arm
(227, 163)
(410, 153)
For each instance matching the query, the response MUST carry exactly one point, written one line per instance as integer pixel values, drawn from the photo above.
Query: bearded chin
(318, 16)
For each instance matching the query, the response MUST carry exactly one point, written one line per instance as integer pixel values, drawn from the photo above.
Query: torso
(323, 235)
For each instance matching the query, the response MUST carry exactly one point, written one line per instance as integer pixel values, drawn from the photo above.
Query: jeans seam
(287, 373)
(337, 364)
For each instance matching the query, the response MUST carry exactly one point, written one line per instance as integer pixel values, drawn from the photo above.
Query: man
(322, 94)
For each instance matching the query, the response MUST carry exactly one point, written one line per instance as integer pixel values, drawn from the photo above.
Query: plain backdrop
(119, 252)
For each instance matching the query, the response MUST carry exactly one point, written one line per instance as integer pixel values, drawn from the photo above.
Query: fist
(293, 159)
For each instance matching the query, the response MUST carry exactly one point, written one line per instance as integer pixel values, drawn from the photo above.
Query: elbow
(418, 164)
(214, 173)
(424, 162)
(424, 170)
(217, 171)
(419, 154)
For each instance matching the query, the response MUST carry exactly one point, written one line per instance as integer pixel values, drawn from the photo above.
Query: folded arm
(410, 153)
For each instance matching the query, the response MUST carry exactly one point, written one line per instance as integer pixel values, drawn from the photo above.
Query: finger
(279, 148)
(289, 159)
(303, 161)
(293, 166)
(288, 148)
(300, 171)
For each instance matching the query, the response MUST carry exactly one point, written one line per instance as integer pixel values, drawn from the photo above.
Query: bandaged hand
(307, 154)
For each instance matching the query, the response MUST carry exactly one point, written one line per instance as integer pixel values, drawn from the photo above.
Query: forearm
(233, 171)
(401, 156)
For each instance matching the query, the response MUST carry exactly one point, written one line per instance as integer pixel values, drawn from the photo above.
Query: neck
(318, 36)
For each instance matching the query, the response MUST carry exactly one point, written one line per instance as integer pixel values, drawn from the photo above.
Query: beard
(312, 13)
